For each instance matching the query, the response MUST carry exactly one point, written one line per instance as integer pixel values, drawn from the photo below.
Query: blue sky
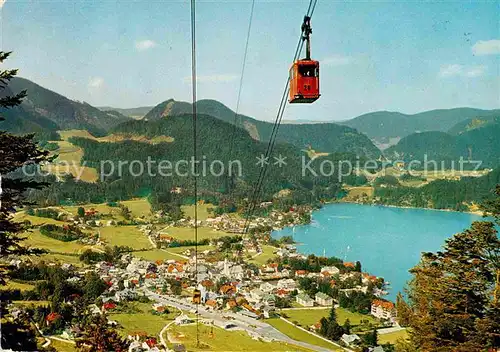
(398, 56)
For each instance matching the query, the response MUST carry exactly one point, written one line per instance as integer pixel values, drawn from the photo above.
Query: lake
(386, 240)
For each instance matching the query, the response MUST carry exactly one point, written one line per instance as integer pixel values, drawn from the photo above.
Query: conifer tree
(453, 295)
(98, 337)
(15, 152)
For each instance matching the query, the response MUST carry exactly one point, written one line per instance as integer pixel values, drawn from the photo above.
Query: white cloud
(2, 2)
(96, 82)
(451, 70)
(145, 44)
(486, 47)
(475, 71)
(213, 78)
(336, 60)
(455, 70)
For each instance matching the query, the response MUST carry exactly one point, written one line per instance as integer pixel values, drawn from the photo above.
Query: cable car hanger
(306, 35)
(304, 73)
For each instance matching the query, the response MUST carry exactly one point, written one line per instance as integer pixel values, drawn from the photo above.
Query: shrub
(65, 234)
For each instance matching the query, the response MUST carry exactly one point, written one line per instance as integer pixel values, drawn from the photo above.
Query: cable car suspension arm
(306, 35)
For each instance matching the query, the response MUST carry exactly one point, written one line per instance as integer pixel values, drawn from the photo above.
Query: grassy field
(187, 233)
(168, 253)
(102, 208)
(138, 207)
(356, 192)
(120, 137)
(180, 250)
(29, 303)
(431, 175)
(36, 220)
(62, 346)
(13, 285)
(115, 137)
(125, 236)
(308, 317)
(60, 258)
(143, 320)
(69, 157)
(37, 240)
(216, 339)
(312, 154)
(267, 253)
(75, 133)
(392, 337)
(299, 335)
(157, 254)
(413, 183)
(203, 212)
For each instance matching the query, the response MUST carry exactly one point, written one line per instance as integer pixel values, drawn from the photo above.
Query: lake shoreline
(387, 243)
(474, 212)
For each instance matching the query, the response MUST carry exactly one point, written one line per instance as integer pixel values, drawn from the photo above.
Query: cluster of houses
(229, 285)
(274, 220)
(223, 284)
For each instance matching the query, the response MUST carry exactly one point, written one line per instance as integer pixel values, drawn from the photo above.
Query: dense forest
(323, 137)
(475, 144)
(385, 124)
(129, 182)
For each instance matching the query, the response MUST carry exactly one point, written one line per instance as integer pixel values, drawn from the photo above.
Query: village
(250, 284)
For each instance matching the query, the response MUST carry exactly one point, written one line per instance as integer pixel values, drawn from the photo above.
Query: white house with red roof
(383, 309)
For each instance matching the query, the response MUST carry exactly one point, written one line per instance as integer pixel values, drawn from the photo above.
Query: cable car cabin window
(308, 71)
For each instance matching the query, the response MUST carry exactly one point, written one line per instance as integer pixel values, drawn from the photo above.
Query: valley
(125, 246)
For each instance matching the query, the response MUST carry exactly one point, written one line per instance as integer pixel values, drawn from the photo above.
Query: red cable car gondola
(304, 73)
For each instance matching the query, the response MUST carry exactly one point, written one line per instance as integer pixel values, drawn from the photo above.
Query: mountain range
(474, 144)
(213, 146)
(382, 125)
(46, 110)
(441, 134)
(322, 137)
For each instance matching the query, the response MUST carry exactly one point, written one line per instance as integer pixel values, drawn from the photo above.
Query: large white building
(323, 299)
(383, 309)
(286, 284)
(304, 300)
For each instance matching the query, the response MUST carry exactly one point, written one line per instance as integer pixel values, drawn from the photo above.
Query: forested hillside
(322, 137)
(17, 120)
(382, 125)
(442, 194)
(476, 144)
(473, 123)
(213, 144)
(63, 112)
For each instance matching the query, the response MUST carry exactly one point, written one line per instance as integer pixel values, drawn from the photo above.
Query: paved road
(390, 330)
(162, 332)
(251, 326)
(165, 331)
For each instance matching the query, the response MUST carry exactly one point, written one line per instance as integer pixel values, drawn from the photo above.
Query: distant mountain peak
(381, 125)
(63, 112)
(322, 136)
